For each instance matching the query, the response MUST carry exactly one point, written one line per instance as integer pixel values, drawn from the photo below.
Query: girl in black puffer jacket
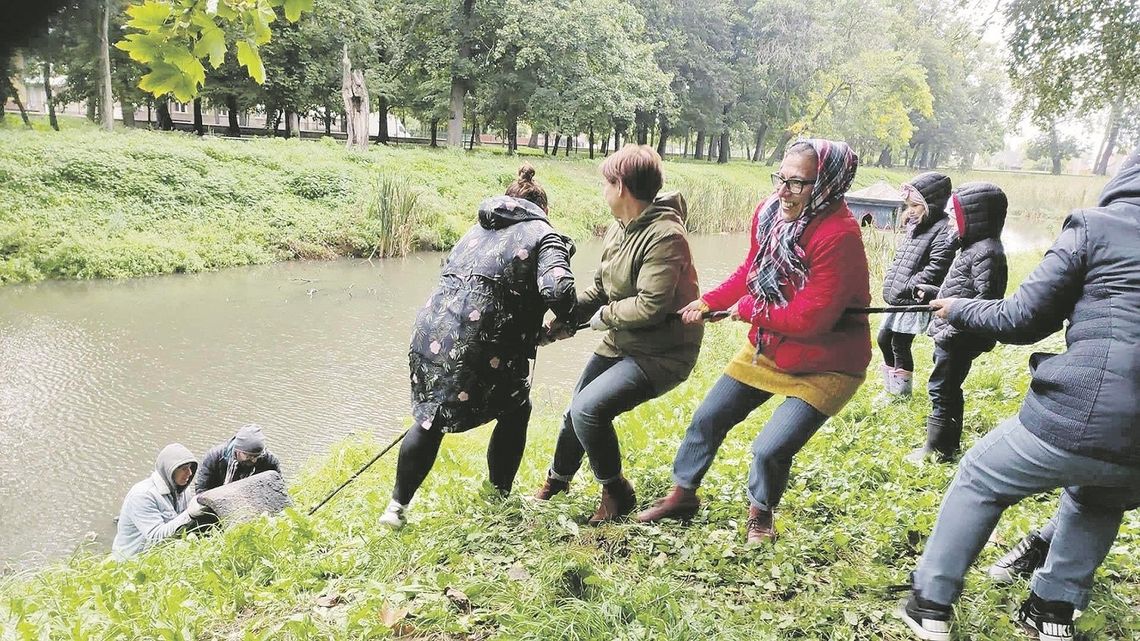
(979, 271)
(923, 258)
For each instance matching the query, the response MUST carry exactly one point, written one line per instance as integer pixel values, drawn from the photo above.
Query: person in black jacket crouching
(240, 457)
(1078, 428)
(980, 271)
(923, 257)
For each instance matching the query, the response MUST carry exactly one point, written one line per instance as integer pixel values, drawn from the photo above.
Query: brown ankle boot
(761, 526)
(618, 500)
(680, 504)
(550, 487)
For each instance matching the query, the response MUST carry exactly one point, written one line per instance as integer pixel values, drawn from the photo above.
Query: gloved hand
(596, 323)
(196, 508)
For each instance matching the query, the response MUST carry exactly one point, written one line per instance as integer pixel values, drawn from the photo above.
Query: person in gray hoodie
(1078, 428)
(159, 506)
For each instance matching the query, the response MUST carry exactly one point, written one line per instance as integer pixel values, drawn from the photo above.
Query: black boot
(944, 436)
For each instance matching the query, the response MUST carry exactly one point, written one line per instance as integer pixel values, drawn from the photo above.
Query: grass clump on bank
(82, 203)
(471, 566)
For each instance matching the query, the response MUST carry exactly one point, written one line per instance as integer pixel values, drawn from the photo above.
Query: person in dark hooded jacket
(1078, 428)
(922, 259)
(979, 271)
(240, 457)
(474, 338)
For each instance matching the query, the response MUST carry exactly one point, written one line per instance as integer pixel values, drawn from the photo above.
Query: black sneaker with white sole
(928, 620)
(1022, 561)
(1050, 620)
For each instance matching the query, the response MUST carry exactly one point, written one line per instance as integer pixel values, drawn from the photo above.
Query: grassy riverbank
(853, 521)
(84, 204)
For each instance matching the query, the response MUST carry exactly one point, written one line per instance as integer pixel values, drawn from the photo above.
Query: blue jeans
(728, 403)
(1005, 466)
(608, 387)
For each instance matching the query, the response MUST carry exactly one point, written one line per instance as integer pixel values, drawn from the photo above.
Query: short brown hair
(638, 167)
(524, 187)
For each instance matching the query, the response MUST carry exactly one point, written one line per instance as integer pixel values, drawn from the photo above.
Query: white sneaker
(394, 517)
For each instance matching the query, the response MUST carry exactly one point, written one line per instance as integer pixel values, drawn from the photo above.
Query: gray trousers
(1005, 466)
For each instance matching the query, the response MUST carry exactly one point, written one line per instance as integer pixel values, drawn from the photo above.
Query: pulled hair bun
(525, 187)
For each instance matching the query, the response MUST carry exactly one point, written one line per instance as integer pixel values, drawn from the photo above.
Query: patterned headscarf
(780, 259)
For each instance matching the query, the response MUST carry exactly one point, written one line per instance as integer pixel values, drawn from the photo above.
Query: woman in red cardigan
(805, 267)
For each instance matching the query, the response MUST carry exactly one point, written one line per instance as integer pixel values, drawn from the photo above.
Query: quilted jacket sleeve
(942, 250)
(555, 280)
(1040, 306)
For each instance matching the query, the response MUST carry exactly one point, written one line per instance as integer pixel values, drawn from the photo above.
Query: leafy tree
(1053, 146)
(173, 37)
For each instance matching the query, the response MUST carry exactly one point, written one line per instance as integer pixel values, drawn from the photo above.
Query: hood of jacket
(498, 212)
(667, 206)
(935, 190)
(171, 458)
(1125, 185)
(979, 210)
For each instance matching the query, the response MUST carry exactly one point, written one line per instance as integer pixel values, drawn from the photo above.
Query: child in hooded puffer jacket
(922, 259)
(980, 271)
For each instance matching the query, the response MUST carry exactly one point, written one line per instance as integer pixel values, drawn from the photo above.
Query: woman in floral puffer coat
(473, 340)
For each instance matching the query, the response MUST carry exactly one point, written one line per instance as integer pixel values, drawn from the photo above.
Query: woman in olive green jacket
(646, 274)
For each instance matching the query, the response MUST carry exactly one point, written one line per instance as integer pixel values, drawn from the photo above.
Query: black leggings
(504, 454)
(896, 349)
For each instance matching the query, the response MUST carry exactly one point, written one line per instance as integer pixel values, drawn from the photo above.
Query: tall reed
(392, 209)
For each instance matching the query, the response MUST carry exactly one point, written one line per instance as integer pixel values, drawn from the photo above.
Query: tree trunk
(355, 95)
(474, 132)
(327, 118)
(533, 142)
(382, 110)
(663, 140)
(591, 142)
(290, 121)
(19, 104)
(724, 149)
(569, 142)
(165, 122)
(617, 138)
(545, 143)
(781, 145)
(685, 151)
(512, 132)
(128, 115)
(459, 83)
(885, 157)
(434, 132)
(107, 101)
(605, 145)
(1054, 150)
(199, 129)
(1111, 136)
(47, 94)
(712, 147)
(557, 142)
(699, 148)
(761, 134)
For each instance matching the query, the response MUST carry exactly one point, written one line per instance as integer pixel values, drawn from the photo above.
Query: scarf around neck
(780, 259)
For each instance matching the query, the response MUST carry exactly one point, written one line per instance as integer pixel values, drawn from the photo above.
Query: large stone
(248, 498)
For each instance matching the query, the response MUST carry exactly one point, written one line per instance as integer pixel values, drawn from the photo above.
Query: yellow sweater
(827, 392)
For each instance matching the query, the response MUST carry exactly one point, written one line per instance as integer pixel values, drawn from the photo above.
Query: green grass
(84, 204)
(853, 521)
